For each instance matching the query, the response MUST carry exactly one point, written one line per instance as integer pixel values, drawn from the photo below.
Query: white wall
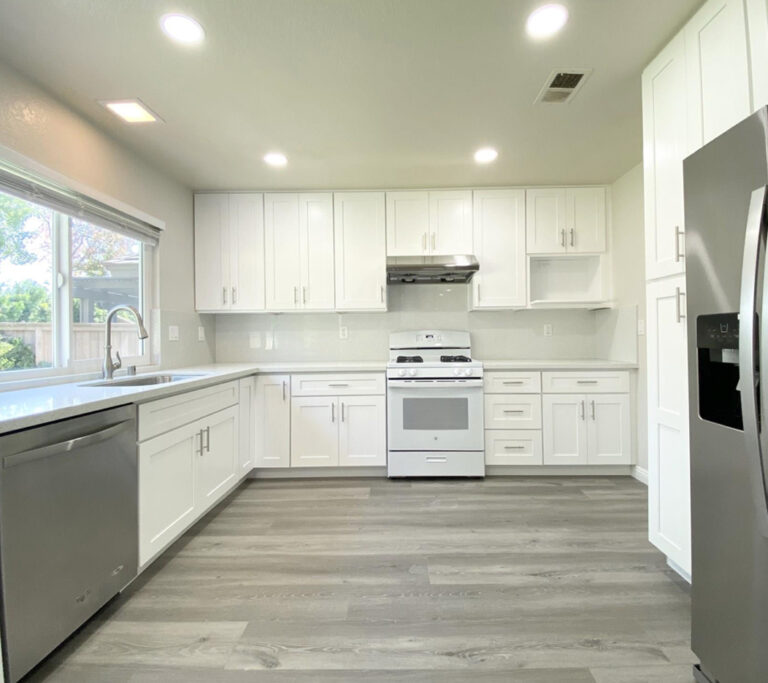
(628, 249)
(40, 128)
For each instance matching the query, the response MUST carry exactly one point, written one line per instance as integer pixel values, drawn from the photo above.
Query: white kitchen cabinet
(718, 73)
(299, 251)
(609, 439)
(424, 223)
(272, 421)
(757, 22)
(512, 382)
(229, 252)
(565, 220)
(167, 494)
(248, 427)
(360, 249)
(362, 430)
(314, 431)
(513, 447)
(499, 245)
(217, 465)
(565, 429)
(512, 411)
(668, 455)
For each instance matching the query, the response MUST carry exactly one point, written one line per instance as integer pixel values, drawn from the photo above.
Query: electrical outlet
(255, 340)
(269, 341)
(343, 332)
(641, 327)
(173, 333)
(547, 329)
(200, 333)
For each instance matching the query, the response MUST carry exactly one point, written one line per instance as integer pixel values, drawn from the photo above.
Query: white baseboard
(641, 474)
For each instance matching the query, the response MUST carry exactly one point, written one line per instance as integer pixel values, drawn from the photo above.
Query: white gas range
(435, 406)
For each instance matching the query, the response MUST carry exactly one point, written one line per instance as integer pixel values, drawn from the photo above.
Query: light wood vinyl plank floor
(520, 580)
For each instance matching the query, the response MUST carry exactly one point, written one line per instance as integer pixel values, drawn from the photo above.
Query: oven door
(435, 415)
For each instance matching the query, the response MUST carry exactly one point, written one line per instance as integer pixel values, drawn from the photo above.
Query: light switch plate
(173, 333)
(641, 327)
(200, 333)
(547, 329)
(343, 332)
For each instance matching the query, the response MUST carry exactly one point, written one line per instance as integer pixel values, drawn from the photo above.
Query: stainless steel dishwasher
(68, 528)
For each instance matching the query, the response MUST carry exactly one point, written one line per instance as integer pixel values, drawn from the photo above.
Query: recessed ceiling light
(276, 159)
(485, 155)
(546, 20)
(131, 111)
(182, 29)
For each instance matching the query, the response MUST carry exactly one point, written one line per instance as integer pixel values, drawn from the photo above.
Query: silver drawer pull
(514, 381)
(587, 381)
(514, 411)
(514, 448)
(435, 458)
(338, 384)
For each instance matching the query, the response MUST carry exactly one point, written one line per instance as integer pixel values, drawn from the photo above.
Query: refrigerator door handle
(749, 346)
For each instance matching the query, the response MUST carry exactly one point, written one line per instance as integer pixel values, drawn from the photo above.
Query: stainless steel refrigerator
(727, 317)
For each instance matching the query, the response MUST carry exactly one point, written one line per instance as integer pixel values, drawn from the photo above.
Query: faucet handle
(118, 363)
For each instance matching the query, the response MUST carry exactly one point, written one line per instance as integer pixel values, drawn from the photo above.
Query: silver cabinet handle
(295, 295)
(679, 315)
(514, 448)
(283, 390)
(338, 384)
(582, 411)
(562, 237)
(342, 411)
(199, 450)
(333, 412)
(224, 294)
(514, 411)
(208, 439)
(514, 381)
(593, 411)
(424, 242)
(303, 295)
(381, 293)
(234, 295)
(678, 254)
(436, 458)
(572, 242)
(586, 381)
(434, 241)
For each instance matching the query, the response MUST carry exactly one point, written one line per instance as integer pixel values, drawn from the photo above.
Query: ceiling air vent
(561, 86)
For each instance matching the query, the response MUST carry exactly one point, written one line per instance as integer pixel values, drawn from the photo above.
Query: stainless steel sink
(140, 381)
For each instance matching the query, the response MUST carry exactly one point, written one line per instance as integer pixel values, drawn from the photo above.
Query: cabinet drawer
(512, 411)
(348, 384)
(513, 447)
(512, 383)
(161, 416)
(600, 381)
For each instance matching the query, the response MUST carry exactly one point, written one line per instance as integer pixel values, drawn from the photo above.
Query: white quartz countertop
(24, 408)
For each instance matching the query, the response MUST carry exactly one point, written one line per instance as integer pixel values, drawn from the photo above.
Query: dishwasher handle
(65, 446)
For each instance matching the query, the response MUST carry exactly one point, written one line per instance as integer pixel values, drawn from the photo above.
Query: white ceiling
(357, 93)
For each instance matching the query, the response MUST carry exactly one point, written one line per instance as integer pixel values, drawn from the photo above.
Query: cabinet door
(361, 257)
(407, 223)
(565, 429)
(316, 220)
(757, 20)
(545, 220)
(608, 430)
(664, 145)
(669, 505)
(272, 421)
(282, 251)
(718, 70)
(247, 426)
(246, 242)
(585, 219)
(217, 466)
(314, 431)
(513, 447)
(362, 430)
(499, 245)
(167, 488)
(450, 222)
(212, 277)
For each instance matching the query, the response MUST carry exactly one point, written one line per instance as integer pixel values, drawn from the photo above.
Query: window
(59, 276)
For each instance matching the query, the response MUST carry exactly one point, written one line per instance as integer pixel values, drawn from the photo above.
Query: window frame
(62, 322)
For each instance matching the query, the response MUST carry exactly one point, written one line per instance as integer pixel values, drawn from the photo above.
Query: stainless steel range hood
(431, 269)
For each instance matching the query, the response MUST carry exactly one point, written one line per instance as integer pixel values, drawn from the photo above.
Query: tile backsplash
(495, 334)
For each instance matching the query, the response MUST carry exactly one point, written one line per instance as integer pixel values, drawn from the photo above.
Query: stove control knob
(468, 372)
(412, 372)
(401, 372)
(457, 371)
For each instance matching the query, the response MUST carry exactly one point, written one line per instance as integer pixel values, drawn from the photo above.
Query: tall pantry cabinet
(697, 87)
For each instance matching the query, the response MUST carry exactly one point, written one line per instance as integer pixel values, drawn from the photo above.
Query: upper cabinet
(360, 246)
(229, 252)
(499, 245)
(757, 21)
(299, 251)
(565, 220)
(664, 145)
(718, 70)
(427, 223)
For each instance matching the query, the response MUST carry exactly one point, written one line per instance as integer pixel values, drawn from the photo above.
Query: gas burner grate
(409, 359)
(455, 359)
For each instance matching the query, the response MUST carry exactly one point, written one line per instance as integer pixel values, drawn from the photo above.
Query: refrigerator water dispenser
(717, 341)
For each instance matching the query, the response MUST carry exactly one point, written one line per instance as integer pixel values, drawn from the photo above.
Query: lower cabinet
(182, 473)
(332, 431)
(513, 447)
(587, 429)
(271, 413)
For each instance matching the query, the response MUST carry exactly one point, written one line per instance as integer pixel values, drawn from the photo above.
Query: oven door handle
(435, 383)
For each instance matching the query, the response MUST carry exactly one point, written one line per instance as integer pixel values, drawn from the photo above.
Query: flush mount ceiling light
(485, 155)
(131, 111)
(546, 21)
(275, 159)
(182, 29)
